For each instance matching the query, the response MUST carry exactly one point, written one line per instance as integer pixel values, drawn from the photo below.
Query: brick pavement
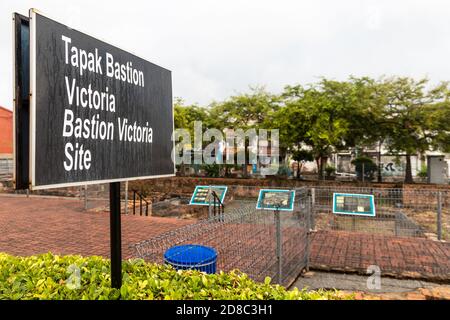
(397, 256)
(38, 225)
(61, 226)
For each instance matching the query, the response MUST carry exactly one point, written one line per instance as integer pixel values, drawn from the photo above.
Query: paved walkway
(408, 257)
(59, 225)
(388, 289)
(38, 225)
(314, 280)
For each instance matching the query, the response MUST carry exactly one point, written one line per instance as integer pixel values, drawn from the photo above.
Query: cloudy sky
(218, 48)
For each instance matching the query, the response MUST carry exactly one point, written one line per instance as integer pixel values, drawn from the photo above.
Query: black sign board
(97, 113)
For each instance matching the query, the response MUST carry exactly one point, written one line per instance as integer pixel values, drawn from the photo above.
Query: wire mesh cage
(244, 238)
(399, 212)
(402, 237)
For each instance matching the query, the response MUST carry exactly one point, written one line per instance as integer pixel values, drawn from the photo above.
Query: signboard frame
(197, 188)
(261, 197)
(32, 133)
(21, 102)
(372, 212)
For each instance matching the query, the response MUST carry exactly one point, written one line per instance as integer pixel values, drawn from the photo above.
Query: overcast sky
(218, 48)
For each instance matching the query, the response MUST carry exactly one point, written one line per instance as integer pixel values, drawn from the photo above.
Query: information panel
(276, 199)
(354, 204)
(98, 113)
(202, 194)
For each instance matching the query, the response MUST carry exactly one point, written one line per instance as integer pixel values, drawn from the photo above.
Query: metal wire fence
(6, 169)
(260, 243)
(399, 212)
(400, 238)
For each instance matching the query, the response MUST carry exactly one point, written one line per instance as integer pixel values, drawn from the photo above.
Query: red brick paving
(411, 257)
(38, 225)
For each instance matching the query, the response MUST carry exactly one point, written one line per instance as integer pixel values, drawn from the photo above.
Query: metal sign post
(279, 245)
(115, 235)
(277, 200)
(126, 197)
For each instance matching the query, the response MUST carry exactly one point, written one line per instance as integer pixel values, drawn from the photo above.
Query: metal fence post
(396, 224)
(209, 203)
(85, 197)
(363, 172)
(126, 197)
(214, 204)
(439, 215)
(279, 246)
(312, 210)
(134, 202)
(308, 232)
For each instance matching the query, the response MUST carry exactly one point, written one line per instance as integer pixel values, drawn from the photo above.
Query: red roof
(6, 109)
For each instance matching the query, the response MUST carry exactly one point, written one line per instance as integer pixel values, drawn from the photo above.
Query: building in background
(393, 166)
(6, 142)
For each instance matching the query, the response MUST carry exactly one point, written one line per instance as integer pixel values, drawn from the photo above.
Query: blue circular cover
(190, 254)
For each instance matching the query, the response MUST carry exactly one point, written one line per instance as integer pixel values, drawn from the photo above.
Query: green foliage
(414, 117)
(327, 116)
(369, 167)
(423, 172)
(302, 155)
(329, 170)
(185, 116)
(404, 115)
(50, 277)
(284, 171)
(212, 170)
(244, 111)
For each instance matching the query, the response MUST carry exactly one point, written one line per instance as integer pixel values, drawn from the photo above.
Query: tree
(185, 115)
(410, 112)
(402, 114)
(368, 127)
(364, 167)
(244, 111)
(301, 156)
(325, 113)
(438, 124)
(184, 118)
(290, 119)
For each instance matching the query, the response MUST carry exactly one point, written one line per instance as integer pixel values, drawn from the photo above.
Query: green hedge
(50, 276)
